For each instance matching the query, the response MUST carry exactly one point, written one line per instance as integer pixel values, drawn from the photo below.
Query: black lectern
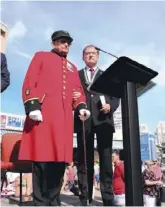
(122, 79)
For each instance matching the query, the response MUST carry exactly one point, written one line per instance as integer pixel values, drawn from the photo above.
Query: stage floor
(66, 200)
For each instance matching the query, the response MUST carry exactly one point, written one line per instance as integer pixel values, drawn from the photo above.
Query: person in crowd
(27, 188)
(162, 190)
(118, 179)
(158, 175)
(13, 186)
(150, 185)
(96, 174)
(143, 166)
(47, 138)
(157, 170)
(9, 187)
(68, 180)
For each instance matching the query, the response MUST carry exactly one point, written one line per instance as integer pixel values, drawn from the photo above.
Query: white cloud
(17, 31)
(25, 55)
(160, 79)
(1, 9)
(107, 64)
(147, 55)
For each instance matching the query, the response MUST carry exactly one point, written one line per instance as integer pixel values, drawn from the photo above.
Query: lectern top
(123, 70)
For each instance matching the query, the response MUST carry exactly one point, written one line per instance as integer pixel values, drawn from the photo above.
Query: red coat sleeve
(29, 91)
(121, 170)
(80, 103)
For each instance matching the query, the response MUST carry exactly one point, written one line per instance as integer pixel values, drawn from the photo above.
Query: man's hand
(84, 114)
(76, 95)
(35, 115)
(106, 108)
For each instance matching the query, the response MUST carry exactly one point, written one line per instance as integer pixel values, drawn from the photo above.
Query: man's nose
(66, 44)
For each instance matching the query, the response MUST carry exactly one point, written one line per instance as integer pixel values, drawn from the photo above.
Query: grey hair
(88, 47)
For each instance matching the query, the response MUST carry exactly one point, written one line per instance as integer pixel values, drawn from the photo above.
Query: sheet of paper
(102, 99)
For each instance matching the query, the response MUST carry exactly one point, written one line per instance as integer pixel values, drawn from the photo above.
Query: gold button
(64, 97)
(64, 81)
(64, 87)
(64, 71)
(63, 66)
(64, 76)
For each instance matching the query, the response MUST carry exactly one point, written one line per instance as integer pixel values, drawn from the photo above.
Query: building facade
(14, 123)
(144, 129)
(160, 132)
(148, 146)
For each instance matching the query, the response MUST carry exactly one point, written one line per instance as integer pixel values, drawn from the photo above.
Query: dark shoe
(83, 202)
(108, 202)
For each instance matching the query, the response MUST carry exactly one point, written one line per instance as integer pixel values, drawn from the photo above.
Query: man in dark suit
(5, 75)
(100, 122)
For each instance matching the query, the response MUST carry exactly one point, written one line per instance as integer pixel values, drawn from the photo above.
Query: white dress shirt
(88, 72)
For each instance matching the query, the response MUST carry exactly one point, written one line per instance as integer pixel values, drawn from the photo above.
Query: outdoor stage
(66, 200)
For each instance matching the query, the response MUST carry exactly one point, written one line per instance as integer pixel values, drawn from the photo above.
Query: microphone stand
(106, 52)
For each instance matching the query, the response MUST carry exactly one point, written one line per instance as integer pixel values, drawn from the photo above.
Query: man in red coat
(48, 131)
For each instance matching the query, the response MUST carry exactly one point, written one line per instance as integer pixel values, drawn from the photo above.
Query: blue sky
(134, 29)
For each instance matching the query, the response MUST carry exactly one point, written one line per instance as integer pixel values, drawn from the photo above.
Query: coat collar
(55, 51)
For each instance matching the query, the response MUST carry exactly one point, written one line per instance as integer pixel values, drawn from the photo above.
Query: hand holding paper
(105, 107)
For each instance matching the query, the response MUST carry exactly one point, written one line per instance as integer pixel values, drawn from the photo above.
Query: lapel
(99, 72)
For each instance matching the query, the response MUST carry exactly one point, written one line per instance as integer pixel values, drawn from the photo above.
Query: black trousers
(47, 182)
(104, 144)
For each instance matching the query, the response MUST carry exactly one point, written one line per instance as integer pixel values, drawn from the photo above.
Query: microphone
(97, 48)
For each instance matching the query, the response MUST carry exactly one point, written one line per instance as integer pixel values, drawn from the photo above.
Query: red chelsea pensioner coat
(48, 85)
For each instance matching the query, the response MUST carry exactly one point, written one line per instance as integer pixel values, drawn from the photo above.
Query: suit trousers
(104, 135)
(47, 183)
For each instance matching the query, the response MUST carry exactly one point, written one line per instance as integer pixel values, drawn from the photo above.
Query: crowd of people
(11, 186)
(153, 182)
(153, 178)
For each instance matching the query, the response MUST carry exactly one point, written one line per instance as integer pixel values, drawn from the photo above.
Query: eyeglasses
(63, 41)
(92, 53)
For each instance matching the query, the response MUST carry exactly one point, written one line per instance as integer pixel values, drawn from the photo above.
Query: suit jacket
(94, 105)
(5, 75)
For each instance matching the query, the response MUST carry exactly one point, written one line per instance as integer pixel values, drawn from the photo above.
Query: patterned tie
(92, 72)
